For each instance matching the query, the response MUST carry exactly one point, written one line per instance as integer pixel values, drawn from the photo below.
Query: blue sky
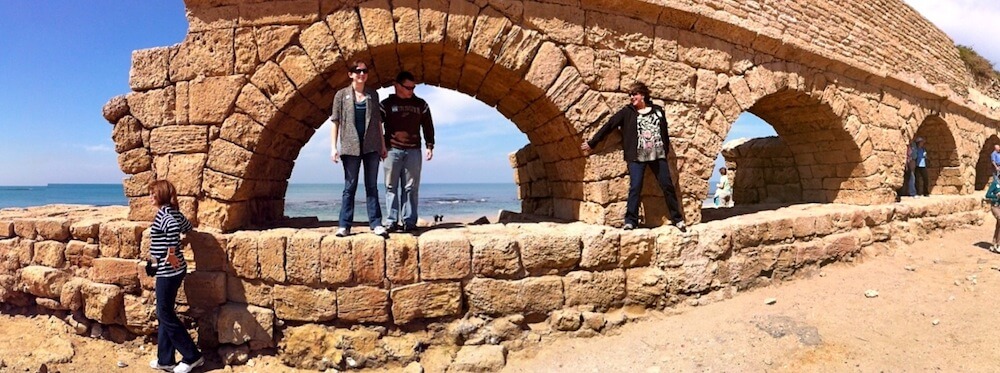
(62, 60)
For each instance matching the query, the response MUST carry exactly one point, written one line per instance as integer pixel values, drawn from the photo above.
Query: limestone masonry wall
(846, 85)
(764, 172)
(246, 289)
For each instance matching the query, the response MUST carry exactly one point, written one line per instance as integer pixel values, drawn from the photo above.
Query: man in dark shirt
(405, 116)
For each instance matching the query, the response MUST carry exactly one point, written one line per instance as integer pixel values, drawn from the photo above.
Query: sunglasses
(408, 87)
(359, 71)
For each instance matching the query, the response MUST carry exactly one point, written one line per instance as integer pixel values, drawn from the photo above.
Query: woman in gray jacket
(357, 124)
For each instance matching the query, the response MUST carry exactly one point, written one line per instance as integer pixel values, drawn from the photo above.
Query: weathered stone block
(271, 247)
(445, 255)
(49, 254)
(363, 304)
(122, 239)
(302, 303)
(603, 290)
(213, 99)
(302, 258)
(114, 271)
(208, 53)
(70, 296)
(368, 259)
(486, 358)
(25, 228)
(645, 286)
(495, 254)
(245, 324)
(401, 259)
(426, 300)
(242, 253)
(7, 229)
(149, 69)
(140, 314)
(209, 250)
(533, 295)
(600, 249)
(115, 109)
(56, 229)
(179, 139)
(42, 281)
(546, 251)
(253, 292)
(205, 290)
(103, 303)
(86, 230)
(637, 248)
(335, 260)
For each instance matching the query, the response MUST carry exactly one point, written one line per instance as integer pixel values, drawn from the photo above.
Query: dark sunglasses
(408, 87)
(359, 71)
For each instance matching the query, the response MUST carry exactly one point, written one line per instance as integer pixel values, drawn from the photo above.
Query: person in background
(165, 251)
(909, 181)
(357, 124)
(724, 190)
(646, 144)
(993, 198)
(405, 116)
(919, 157)
(995, 159)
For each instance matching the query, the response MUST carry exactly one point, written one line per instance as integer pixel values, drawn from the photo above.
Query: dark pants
(171, 335)
(662, 171)
(352, 165)
(923, 184)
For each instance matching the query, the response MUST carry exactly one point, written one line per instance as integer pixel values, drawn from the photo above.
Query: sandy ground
(935, 311)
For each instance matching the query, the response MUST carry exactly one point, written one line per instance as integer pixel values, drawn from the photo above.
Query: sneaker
(343, 232)
(187, 368)
(155, 364)
(680, 225)
(392, 228)
(407, 228)
(380, 231)
(628, 226)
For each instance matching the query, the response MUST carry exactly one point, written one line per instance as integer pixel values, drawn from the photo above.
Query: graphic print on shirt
(650, 141)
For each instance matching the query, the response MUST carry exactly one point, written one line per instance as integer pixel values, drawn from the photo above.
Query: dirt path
(821, 324)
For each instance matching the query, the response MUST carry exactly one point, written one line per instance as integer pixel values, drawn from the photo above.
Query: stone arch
(984, 166)
(944, 167)
(501, 64)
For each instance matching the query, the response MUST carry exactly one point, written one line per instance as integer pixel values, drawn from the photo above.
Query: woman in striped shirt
(165, 249)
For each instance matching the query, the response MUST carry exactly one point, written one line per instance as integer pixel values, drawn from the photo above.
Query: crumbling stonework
(224, 113)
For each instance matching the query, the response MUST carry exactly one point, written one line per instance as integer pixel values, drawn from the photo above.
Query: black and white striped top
(164, 234)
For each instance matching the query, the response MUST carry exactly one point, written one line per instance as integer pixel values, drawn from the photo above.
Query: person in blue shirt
(993, 198)
(919, 157)
(995, 159)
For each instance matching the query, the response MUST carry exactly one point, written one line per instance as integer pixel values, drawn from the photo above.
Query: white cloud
(100, 148)
(967, 22)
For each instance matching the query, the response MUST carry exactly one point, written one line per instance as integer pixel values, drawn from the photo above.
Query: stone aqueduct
(846, 85)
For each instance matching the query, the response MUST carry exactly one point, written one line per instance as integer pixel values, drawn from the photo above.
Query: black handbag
(150, 268)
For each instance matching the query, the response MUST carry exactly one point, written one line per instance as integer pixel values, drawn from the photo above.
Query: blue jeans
(352, 165)
(911, 183)
(402, 169)
(635, 174)
(171, 335)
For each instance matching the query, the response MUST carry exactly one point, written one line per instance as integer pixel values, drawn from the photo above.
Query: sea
(454, 202)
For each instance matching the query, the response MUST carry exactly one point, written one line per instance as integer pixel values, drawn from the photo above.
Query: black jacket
(627, 121)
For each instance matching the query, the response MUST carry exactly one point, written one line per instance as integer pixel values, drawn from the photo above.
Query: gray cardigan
(343, 113)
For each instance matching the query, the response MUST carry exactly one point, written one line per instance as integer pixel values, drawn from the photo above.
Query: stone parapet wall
(243, 287)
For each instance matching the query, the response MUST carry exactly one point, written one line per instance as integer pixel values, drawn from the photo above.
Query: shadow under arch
(943, 167)
(288, 99)
(984, 166)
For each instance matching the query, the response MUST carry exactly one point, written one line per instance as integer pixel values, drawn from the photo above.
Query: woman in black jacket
(646, 144)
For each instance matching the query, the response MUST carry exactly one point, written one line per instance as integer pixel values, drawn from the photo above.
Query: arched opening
(813, 158)
(943, 171)
(469, 176)
(746, 128)
(249, 165)
(984, 167)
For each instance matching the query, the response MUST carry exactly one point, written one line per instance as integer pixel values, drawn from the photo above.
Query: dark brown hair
(640, 88)
(163, 193)
(354, 65)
